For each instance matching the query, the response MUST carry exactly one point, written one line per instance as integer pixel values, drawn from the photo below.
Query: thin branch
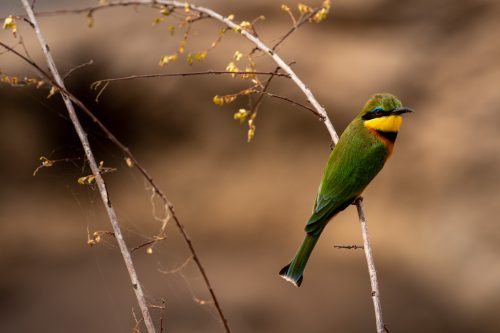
(71, 70)
(297, 25)
(95, 170)
(153, 241)
(291, 101)
(349, 247)
(210, 72)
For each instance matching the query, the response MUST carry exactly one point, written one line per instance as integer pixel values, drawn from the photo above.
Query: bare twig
(210, 72)
(349, 247)
(151, 242)
(95, 170)
(296, 25)
(71, 70)
(291, 101)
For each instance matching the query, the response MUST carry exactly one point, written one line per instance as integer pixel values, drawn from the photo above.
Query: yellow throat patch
(385, 124)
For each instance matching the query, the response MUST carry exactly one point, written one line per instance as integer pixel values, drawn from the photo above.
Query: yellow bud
(230, 17)
(129, 162)
(149, 250)
(320, 15)
(285, 8)
(231, 67)
(237, 55)
(165, 11)
(200, 56)
(171, 29)
(189, 58)
(218, 100)
(229, 98)
(245, 25)
(241, 115)
(90, 20)
(52, 91)
(158, 20)
(167, 58)
(182, 46)
(304, 9)
(251, 133)
(10, 24)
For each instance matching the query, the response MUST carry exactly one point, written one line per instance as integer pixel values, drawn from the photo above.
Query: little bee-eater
(360, 154)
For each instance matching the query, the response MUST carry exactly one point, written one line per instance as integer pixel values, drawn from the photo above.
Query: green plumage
(356, 159)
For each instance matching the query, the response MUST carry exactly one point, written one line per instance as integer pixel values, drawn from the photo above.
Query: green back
(353, 163)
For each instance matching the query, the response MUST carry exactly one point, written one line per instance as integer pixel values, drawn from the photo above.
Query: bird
(361, 152)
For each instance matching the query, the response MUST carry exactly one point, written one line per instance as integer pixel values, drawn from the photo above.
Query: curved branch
(82, 135)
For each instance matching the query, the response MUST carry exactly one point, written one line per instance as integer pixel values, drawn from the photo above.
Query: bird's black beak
(401, 110)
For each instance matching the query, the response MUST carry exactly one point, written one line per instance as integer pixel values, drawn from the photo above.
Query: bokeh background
(433, 211)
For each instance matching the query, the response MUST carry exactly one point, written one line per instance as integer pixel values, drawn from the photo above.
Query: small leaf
(53, 90)
(165, 11)
(251, 130)
(171, 29)
(86, 180)
(285, 8)
(304, 9)
(200, 56)
(189, 58)
(90, 20)
(229, 98)
(231, 67)
(182, 46)
(320, 15)
(158, 20)
(245, 25)
(241, 115)
(167, 58)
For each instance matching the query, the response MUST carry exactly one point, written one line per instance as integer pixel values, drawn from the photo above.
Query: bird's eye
(378, 110)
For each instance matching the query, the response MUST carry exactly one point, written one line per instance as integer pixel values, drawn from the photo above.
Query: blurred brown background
(433, 211)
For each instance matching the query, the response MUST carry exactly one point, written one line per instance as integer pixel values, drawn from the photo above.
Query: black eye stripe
(376, 112)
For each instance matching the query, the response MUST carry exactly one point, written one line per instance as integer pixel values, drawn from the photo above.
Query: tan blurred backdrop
(433, 211)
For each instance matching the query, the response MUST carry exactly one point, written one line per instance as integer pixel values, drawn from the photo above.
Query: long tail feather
(294, 272)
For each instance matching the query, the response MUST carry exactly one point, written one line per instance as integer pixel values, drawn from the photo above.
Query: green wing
(353, 163)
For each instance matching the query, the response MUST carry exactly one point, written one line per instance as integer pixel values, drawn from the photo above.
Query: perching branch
(371, 267)
(82, 135)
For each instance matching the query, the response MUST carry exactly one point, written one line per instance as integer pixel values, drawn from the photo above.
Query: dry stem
(82, 135)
